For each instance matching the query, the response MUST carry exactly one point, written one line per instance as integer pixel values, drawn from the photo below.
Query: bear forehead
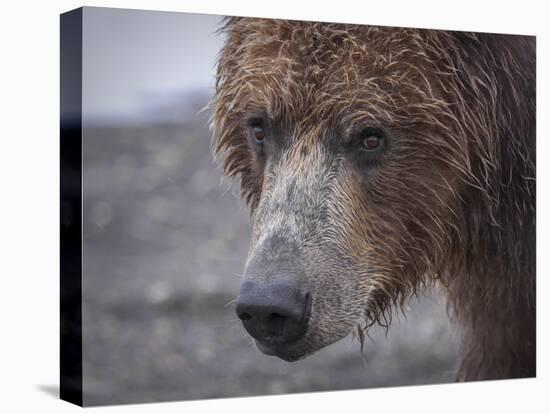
(294, 66)
(323, 49)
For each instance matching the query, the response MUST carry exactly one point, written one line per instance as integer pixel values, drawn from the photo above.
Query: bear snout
(274, 313)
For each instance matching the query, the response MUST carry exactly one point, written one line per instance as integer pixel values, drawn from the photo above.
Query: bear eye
(257, 129)
(372, 140)
(367, 146)
(258, 133)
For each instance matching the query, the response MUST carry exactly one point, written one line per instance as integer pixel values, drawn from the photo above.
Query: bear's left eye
(372, 139)
(367, 146)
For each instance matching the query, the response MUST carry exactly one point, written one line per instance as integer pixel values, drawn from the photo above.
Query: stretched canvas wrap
(256, 206)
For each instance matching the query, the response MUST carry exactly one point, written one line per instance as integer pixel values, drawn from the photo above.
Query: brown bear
(376, 162)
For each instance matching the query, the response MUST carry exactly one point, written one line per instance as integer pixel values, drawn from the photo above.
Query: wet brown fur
(454, 203)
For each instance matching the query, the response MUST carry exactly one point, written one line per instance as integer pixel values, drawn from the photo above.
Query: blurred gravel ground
(164, 246)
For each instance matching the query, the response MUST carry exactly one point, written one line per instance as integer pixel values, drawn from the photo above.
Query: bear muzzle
(275, 313)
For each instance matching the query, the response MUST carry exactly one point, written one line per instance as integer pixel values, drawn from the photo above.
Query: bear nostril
(244, 316)
(273, 312)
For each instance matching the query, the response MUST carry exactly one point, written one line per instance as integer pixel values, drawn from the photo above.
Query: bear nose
(273, 313)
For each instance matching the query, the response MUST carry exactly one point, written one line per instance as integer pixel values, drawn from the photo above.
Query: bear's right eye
(257, 130)
(258, 133)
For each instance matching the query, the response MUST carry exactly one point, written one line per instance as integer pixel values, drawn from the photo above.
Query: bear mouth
(299, 349)
(289, 352)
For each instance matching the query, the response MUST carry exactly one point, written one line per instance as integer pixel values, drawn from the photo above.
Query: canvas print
(253, 206)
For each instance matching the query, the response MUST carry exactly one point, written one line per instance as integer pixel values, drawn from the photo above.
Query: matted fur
(452, 202)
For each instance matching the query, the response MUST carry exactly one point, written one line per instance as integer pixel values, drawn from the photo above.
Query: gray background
(165, 238)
